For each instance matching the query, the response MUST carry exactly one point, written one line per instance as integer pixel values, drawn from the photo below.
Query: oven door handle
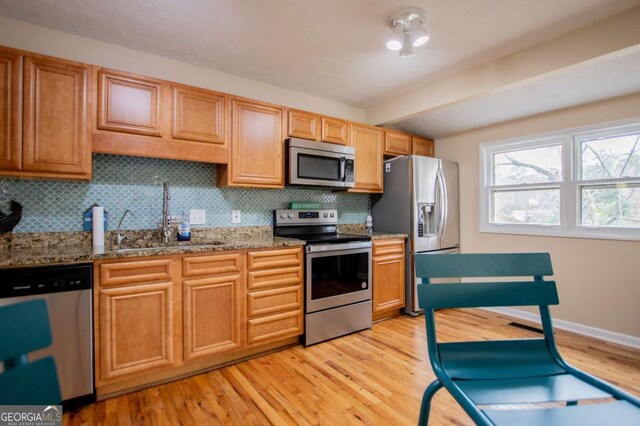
(344, 248)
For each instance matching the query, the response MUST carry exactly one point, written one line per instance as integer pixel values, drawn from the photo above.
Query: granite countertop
(75, 247)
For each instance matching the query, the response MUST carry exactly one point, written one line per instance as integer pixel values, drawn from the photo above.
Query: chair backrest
(485, 294)
(24, 328)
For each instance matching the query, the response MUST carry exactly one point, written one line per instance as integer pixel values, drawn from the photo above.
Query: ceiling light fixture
(407, 26)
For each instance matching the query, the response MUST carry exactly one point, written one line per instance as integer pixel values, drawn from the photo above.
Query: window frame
(570, 186)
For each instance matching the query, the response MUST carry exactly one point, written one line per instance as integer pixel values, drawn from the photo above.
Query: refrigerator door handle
(442, 193)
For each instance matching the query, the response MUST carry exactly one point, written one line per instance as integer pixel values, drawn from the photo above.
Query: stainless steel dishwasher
(68, 292)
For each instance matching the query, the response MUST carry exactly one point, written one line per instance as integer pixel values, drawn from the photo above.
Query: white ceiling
(329, 48)
(576, 85)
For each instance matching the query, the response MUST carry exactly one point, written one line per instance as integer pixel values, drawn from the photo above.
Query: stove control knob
(290, 215)
(282, 215)
(332, 215)
(326, 215)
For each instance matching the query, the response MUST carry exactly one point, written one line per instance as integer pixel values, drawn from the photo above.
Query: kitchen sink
(165, 247)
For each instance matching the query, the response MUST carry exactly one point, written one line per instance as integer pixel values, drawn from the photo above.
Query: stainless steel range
(337, 274)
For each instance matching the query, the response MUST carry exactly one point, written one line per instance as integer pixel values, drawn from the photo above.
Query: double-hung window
(580, 183)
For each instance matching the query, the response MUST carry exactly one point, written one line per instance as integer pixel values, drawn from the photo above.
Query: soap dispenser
(184, 230)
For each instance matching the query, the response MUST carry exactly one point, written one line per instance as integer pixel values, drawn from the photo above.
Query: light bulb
(420, 37)
(394, 41)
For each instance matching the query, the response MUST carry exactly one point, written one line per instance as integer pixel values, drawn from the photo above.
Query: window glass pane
(611, 206)
(533, 206)
(612, 157)
(537, 165)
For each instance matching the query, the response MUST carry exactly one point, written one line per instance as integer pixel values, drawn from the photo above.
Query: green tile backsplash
(134, 183)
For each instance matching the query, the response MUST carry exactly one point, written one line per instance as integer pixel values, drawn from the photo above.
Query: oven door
(337, 275)
(312, 167)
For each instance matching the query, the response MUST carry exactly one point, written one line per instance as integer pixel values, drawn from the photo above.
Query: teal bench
(480, 374)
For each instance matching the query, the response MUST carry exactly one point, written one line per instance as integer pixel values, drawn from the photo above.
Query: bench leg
(426, 402)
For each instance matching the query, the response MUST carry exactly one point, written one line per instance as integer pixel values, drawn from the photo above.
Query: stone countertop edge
(67, 255)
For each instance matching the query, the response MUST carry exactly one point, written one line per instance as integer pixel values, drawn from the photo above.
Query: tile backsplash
(134, 183)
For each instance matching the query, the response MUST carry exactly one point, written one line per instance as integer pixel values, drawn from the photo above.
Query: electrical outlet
(236, 216)
(197, 217)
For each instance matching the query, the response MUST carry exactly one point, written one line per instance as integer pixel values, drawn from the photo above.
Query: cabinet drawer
(269, 259)
(388, 247)
(136, 272)
(274, 327)
(283, 277)
(219, 264)
(275, 300)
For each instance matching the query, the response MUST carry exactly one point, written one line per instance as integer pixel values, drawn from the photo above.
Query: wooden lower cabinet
(158, 318)
(388, 277)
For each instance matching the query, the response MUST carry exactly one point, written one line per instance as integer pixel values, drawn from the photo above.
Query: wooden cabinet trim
(11, 63)
(110, 364)
(212, 265)
(135, 272)
(230, 312)
(107, 80)
(302, 124)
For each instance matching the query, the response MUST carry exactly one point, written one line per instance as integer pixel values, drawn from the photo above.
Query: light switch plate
(236, 216)
(197, 217)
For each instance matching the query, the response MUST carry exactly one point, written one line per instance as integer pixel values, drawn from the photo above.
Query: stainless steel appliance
(311, 163)
(420, 199)
(67, 291)
(337, 273)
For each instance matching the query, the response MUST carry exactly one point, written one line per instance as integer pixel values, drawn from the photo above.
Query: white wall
(22, 35)
(598, 280)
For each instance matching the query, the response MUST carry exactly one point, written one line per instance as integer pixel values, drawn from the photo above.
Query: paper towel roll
(98, 226)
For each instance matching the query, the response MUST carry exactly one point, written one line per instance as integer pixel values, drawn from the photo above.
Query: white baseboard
(599, 333)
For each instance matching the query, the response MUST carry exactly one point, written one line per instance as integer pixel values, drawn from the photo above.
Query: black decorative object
(9, 221)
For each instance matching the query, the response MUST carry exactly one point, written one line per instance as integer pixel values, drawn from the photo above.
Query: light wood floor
(373, 377)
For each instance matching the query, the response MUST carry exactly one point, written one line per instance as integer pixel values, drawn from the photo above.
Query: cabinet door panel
(275, 327)
(388, 283)
(423, 147)
(128, 104)
(257, 144)
(199, 115)
(397, 143)
(368, 142)
(10, 110)
(335, 130)
(136, 329)
(303, 124)
(212, 315)
(56, 138)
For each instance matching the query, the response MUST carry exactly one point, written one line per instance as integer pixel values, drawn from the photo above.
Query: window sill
(555, 231)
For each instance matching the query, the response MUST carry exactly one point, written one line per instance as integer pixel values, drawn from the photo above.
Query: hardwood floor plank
(374, 377)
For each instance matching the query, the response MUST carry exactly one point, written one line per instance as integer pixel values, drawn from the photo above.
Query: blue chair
(522, 371)
(24, 328)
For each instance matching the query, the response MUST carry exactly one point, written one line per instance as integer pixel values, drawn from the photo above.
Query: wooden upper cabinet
(10, 110)
(199, 115)
(257, 145)
(56, 131)
(422, 146)
(302, 124)
(368, 142)
(397, 143)
(335, 130)
(128, 103)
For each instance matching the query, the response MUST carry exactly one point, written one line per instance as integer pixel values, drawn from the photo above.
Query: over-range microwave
(319, 164)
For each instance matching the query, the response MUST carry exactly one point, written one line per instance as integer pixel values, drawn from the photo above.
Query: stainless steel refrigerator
(421, 200)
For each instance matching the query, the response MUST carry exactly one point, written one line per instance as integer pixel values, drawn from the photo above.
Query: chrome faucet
(166, 214)
(119, 237)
